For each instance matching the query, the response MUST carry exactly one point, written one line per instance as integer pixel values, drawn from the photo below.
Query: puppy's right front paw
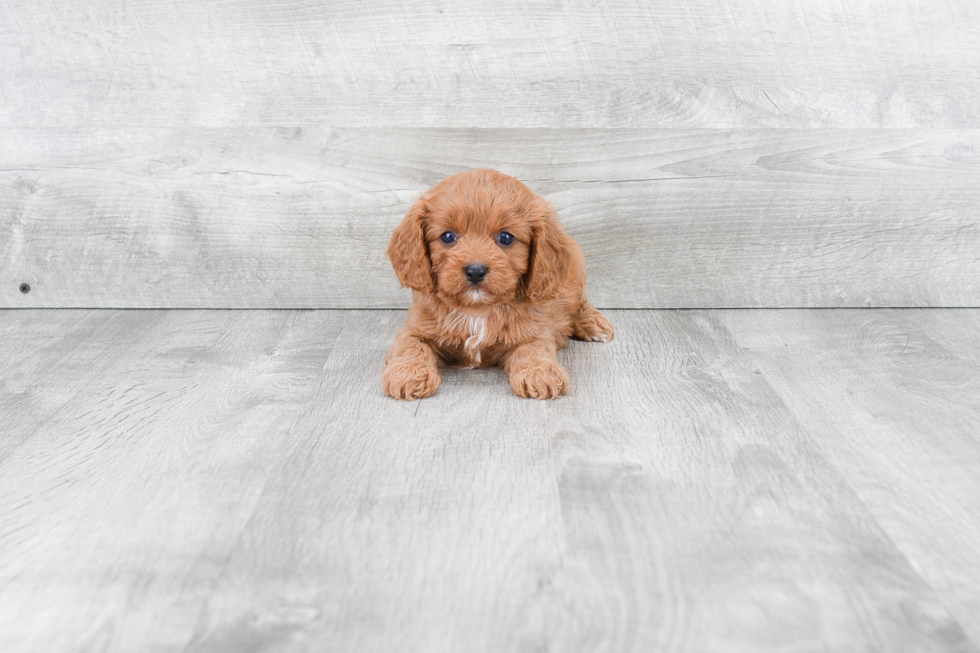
(410, 380)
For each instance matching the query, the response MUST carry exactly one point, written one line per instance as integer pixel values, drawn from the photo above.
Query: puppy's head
(480, 238)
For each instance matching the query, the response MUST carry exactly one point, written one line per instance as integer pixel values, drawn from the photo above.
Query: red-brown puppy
(495, 281)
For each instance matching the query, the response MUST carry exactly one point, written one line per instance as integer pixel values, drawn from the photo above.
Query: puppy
(495, 281)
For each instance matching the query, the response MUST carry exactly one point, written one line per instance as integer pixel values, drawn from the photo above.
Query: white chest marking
(474, 329)
(477, 328)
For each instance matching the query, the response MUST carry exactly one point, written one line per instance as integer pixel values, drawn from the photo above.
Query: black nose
(475, 272)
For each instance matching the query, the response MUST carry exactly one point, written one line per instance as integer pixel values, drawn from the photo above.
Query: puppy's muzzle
(476, 272)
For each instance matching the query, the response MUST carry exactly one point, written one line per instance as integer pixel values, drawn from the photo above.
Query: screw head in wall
(25, 288)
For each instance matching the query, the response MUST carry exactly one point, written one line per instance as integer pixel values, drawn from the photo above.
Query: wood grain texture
(299, 218)
(893, 399)
(142, 450)
(436, 63)
(27, 399)
(237, 481)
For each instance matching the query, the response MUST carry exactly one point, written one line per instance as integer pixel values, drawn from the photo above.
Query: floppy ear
(408, 251)
(550, 253)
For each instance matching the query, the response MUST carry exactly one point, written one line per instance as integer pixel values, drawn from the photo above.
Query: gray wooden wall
(705, 153)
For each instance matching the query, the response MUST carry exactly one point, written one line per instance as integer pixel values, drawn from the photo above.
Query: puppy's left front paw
(545, 381)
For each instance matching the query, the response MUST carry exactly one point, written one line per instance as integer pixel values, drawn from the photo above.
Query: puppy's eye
(449, 238)
(505, 238)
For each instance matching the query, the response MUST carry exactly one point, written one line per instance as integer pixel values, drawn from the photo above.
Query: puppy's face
(479, 242)
(478, 238)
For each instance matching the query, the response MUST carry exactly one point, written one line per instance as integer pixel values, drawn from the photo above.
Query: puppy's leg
(592, 325)
(411, 369)
(534, 370)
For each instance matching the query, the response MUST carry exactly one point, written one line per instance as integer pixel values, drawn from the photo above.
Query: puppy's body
(508, 288)
(480, 337)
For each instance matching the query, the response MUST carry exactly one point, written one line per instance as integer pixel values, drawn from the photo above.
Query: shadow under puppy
(495, 281)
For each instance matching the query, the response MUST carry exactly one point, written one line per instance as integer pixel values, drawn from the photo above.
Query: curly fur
(530, 303)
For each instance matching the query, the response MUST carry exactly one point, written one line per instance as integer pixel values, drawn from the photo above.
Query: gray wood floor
(792, 480)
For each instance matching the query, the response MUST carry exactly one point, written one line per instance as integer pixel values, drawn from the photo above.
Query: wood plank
(134, 478)
(892, 398)
(622, 63)
(283, 218)
(955, 331)
(74, 344)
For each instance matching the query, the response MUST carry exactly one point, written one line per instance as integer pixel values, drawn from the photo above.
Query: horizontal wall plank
(274, 217)
(511, 63)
